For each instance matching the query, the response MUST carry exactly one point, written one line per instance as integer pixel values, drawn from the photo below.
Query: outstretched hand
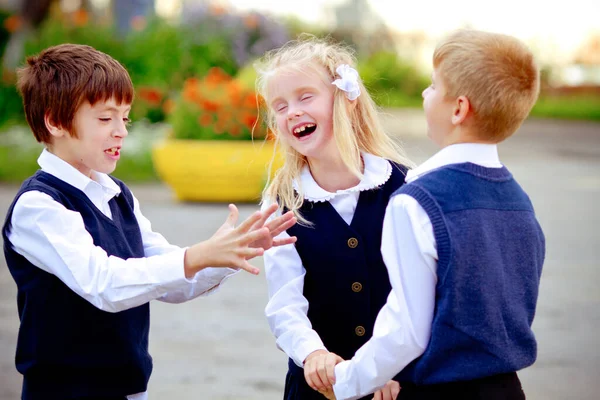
(229, 246)
(275, 226)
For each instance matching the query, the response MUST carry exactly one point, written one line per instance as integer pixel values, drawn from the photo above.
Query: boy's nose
(121, 131)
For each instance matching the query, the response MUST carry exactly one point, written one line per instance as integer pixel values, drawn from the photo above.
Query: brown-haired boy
(461, 241)
(85, 260)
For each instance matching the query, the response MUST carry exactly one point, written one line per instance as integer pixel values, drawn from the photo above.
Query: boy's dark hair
(60, 79)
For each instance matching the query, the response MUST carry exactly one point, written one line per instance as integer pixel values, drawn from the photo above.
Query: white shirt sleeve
(287, 308)
(403, 326)
(203, 283)
(55, 240)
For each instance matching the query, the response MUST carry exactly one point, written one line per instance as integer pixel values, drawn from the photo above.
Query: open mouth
(113, 151)
(304, 130)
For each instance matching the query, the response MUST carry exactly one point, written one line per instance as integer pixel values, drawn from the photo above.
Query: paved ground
(220, 347)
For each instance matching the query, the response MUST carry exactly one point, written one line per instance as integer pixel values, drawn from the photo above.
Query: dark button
(359, 330)
(352, 243)
(356, 287)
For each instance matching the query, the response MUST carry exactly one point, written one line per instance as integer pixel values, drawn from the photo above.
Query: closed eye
(281, 108)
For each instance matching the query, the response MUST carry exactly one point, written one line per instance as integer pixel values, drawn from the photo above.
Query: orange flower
(249, 120)
(234, 91)
(251, 21)
(168, 106)
(150, 95)
(205, 120)
(250, 100)
(216, 75)
(13, 23)
(80, 17)
(210, 106)
(235, 130)
(217, 9)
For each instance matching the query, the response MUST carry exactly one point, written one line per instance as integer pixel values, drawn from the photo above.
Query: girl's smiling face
(302, 103)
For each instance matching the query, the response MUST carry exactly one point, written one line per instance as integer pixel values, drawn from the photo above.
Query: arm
(204, 282)
(287, 308)
(403, 325)
(55, 240)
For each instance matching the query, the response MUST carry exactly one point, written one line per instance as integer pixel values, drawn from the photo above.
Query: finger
(314, 374)
(309, 373)
(322, 371)
(395, 390)
(283, 226)
(249, 222)
(385, 393)
(246, 266)
(276, 222)
(377, 395)
(233, 216)
(248, 253)
(330, 368)
(284, 241)
(270, 210)
(261, 221)
(253, 236)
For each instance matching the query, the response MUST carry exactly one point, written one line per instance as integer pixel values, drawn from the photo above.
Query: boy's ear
(461, 110)
(54, 129)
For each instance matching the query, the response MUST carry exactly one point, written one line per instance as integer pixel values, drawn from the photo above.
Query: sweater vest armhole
(438, 222)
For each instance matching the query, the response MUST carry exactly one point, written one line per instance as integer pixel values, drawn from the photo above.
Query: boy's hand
(276, 226)
(328, 393)
(229, 246)
(319, 369)
(389, 392)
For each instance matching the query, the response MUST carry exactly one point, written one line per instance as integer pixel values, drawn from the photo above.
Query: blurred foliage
(216, 107)
(575, 107)
(391, 81)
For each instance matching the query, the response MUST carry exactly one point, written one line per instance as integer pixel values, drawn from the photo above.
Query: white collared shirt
(287, 308)
(403, 326)
(55, 240)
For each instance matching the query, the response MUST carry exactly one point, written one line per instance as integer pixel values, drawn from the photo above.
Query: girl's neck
(332, 174)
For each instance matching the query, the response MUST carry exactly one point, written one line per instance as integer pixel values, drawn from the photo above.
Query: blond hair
(496, 72)
(355, 129)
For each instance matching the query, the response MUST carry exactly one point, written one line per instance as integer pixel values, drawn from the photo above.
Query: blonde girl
(339, 171)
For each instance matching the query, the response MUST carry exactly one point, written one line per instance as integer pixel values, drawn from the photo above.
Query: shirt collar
(64, 171)
(377, 172)
(483, 154)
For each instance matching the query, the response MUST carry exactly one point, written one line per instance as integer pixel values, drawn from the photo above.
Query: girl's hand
(318, 369)
(389, 392)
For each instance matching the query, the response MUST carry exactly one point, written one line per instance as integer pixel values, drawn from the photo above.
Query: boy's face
(303, 107)
(101, 130)
(438, 110)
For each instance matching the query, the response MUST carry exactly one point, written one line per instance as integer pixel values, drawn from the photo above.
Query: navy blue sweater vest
(346, 281)
(67, 348)
(490, 256)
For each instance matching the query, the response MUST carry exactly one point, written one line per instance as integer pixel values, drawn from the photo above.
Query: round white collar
(377, 172)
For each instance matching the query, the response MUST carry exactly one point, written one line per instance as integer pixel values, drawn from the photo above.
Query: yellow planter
(214, 171)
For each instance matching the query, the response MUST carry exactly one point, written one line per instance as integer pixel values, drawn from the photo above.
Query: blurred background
(191, 64)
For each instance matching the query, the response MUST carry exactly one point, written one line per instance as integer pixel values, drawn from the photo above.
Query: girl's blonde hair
(355, 129)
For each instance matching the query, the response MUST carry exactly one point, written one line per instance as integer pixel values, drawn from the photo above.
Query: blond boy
(460, 239)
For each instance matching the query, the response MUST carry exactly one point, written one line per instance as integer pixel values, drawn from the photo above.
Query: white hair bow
(348, 82)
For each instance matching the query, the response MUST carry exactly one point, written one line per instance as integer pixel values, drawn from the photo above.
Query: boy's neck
(332, 174)
(463, 136)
